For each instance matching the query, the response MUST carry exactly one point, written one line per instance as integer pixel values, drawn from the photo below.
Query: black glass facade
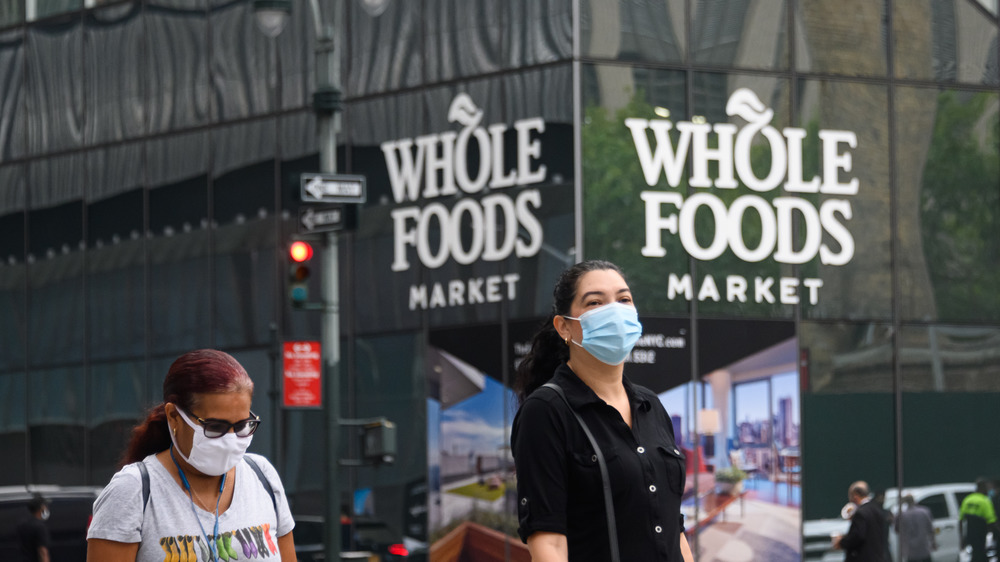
(805, 197)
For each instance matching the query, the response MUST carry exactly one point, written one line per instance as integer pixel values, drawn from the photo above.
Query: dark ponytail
(548, 350)
(203, 371)
(149, 437)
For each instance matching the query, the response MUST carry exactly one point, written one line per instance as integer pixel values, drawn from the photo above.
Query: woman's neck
(605, 380)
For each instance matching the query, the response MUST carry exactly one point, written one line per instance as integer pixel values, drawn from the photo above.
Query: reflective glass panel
(53, 89)
(748, 273)
(386, 50)
(116, 392)
(945, 42)
(740, 33)
(13, 268)
(12, 298)
(245, 290)
(12, 85)
(948, 167)
(56, 424)
(266, 377)
(845, 155)
(13, 426)
(115, 39)
(116, 287)
(462, 39)
(633, 30)
(245, 71)
(296, 46)
(243, 172)
(614, 177)
(55, 326)
(11, 12)
(176, 71)
(535, 32)
(111, 171)
(839, 38)
(178, 244)
(48, 8)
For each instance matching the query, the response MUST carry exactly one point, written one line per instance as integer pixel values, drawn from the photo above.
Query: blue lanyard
(212, 546)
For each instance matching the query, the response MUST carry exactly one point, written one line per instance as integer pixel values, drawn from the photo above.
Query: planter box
(729, 488)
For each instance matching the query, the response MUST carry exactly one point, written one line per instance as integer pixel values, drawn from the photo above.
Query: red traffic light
(300, 251)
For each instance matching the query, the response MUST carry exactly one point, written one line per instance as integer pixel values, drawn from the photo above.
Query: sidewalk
(764, 532)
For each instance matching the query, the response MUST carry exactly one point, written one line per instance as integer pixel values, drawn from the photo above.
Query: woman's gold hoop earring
(567, 341)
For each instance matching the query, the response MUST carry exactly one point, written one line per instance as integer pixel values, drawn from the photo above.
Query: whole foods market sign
(674, 212)
(427, 170)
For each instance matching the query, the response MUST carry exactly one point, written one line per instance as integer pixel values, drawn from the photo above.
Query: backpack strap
(144, 473)
(609, 506)
(263, 480)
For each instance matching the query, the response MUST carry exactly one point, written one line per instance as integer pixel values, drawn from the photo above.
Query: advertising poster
(471, 471)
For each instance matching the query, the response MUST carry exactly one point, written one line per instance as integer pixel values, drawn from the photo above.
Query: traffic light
(300, 253)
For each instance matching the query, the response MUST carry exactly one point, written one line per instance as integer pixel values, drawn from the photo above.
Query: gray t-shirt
(167, 529)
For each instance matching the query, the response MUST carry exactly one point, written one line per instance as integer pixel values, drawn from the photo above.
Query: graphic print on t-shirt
(251, 543)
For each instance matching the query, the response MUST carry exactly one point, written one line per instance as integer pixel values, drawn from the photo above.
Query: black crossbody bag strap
(609, 506)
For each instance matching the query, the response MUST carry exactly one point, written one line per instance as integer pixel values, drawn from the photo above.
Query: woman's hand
(548, 547)
(100, 550)
(686, 549)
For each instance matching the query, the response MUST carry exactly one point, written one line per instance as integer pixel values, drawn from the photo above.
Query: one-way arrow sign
(321, 220)
(332, 188)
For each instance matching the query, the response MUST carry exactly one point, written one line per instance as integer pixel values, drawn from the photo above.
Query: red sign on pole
(302, 367)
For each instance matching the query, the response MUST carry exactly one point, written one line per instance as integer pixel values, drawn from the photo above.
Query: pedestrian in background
(915, 527)
(188, 491)
(561, 485)
(33, 534)
(865, 540)
(977, 519)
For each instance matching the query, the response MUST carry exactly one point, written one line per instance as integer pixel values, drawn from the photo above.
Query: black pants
(928, 559)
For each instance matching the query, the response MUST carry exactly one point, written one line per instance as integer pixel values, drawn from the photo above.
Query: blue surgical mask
(610, 332)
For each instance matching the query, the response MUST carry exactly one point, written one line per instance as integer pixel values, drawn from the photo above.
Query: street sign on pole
(332, 188)
(321, 219)
(302, 388)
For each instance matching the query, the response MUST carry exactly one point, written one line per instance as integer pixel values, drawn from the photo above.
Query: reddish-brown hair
(203, 371)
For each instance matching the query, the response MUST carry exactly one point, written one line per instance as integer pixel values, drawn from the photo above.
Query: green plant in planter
(730, 475)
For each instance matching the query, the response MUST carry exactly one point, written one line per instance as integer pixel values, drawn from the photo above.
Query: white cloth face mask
(213, 457)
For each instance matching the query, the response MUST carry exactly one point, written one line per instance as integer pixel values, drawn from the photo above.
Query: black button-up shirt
(559, 486)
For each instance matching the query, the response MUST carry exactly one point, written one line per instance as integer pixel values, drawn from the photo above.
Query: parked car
(369, 534)
(70, 509)
(943, 500)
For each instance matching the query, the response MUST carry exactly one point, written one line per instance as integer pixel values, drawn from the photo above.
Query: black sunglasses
(214, 428)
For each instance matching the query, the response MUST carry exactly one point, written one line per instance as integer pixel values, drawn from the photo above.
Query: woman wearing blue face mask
(188, 491)
(599, 476)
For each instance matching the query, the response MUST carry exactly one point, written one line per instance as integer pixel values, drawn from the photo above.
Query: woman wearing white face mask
(599, 476)
(188, 491)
